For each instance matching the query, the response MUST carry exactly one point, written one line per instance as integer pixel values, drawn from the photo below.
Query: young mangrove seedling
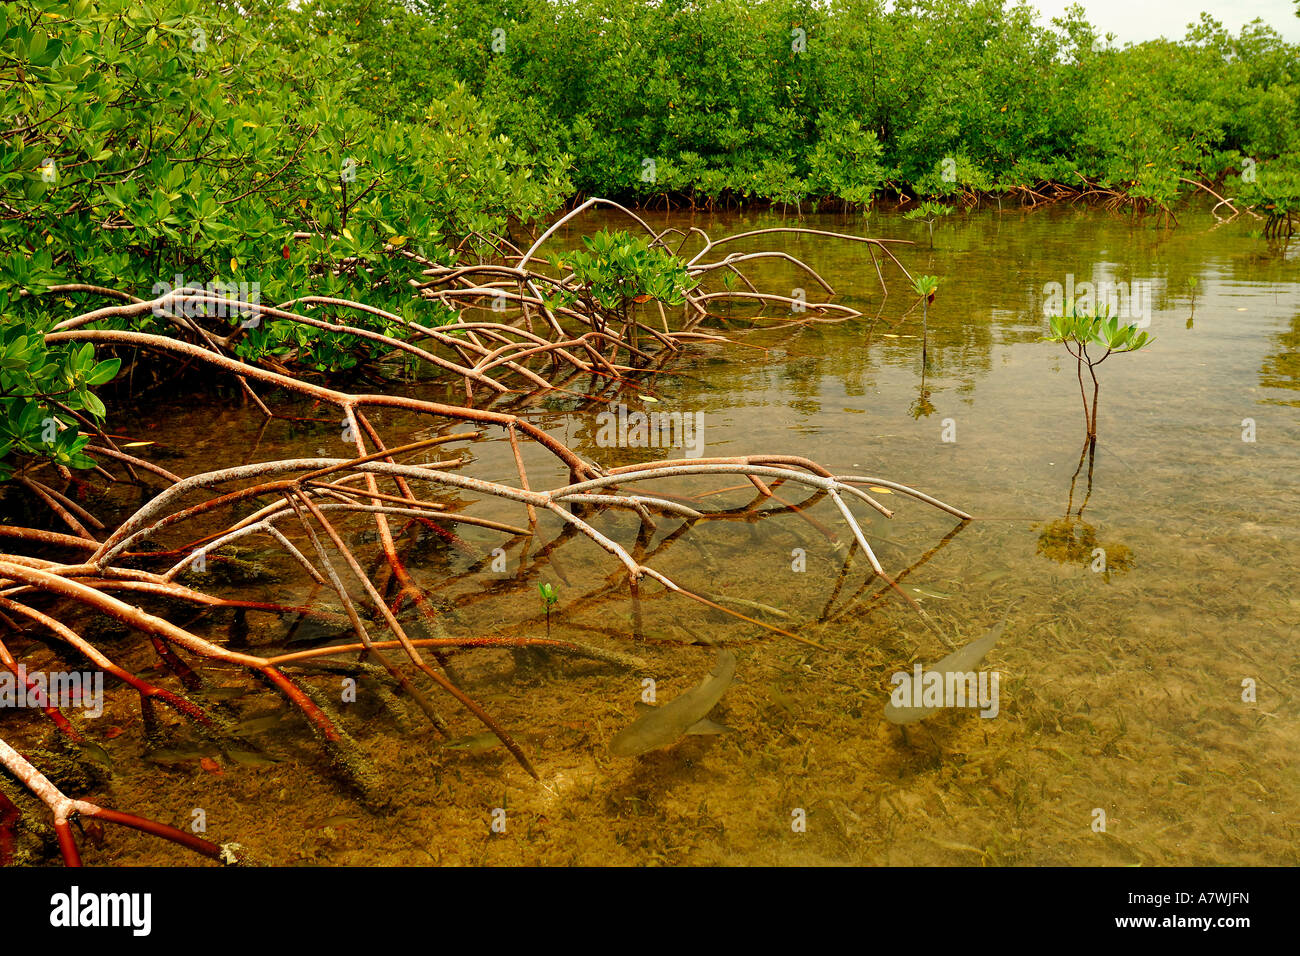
(1191, 286)
(549, 600)
(925, 287)
(1077, 332)
(928, 212)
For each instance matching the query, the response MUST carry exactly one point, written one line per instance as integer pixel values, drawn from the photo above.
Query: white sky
(1138, 20)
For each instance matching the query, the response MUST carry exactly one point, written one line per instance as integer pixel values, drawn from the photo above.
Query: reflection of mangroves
(1071, 540)
(1281, 369)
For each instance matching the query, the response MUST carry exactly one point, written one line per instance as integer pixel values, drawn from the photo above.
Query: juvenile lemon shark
(962, 661)
(660, 726)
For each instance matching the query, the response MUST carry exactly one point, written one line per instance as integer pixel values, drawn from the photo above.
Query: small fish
(474, 743)
(258, 725)
(660, 726)
(96, 753)
(249, 758)
(961, 661)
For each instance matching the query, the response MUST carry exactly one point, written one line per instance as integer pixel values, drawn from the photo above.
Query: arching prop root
(302, 494)
(515, 280)
(79, 584)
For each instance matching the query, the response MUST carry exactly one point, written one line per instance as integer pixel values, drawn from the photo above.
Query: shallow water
(1121, 692)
